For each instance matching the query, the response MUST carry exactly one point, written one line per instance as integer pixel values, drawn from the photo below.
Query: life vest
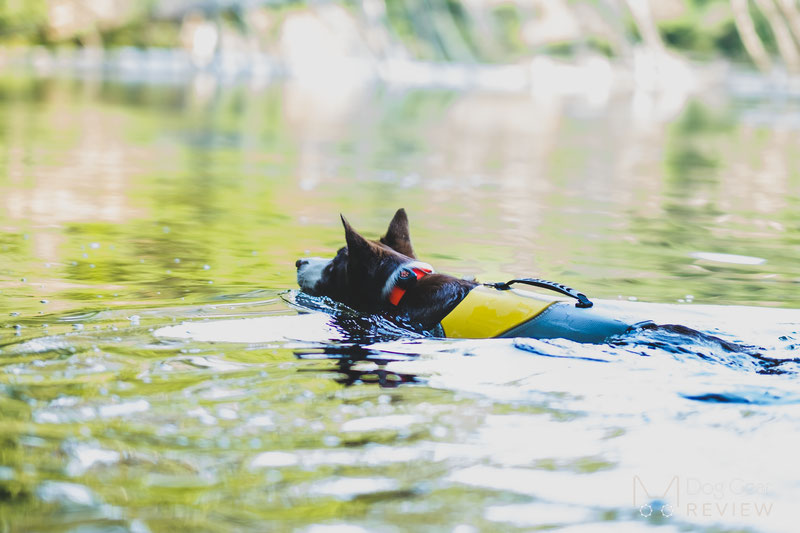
(491, 312)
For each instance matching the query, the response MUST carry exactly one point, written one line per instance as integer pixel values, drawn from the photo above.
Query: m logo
(664, 503)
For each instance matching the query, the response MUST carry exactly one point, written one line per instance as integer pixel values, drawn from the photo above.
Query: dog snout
(310, 271)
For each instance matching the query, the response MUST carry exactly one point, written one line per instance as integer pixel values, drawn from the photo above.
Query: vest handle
(583, 301)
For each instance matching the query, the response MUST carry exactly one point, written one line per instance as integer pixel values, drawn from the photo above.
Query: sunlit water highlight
(160, 372)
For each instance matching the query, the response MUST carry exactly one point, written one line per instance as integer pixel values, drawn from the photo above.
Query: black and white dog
(384, 277)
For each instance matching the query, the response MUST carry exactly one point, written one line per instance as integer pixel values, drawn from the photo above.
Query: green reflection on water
(151, 192)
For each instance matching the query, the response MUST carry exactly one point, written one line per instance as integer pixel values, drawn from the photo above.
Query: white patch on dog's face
(309, 272)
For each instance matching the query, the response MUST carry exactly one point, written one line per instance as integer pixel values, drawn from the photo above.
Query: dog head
(367, 275)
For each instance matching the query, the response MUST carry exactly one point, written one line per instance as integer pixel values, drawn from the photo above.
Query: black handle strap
(583, 301)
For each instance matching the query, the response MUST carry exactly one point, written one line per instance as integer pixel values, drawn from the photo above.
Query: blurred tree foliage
(82, 22)
(708, 29)
(23, 21)
(428, 29)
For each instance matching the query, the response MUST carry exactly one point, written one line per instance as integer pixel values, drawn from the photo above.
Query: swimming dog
(385, 277)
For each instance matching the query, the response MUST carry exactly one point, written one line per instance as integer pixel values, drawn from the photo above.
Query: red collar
(405, 277)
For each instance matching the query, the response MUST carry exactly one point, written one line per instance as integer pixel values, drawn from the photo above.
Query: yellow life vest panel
(488, 312)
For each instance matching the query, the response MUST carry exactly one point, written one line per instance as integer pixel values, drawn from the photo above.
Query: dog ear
(397, 236)
(357, 246)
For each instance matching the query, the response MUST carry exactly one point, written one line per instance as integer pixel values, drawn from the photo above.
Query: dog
(385, 277)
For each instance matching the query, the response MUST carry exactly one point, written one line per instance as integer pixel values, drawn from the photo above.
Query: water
(161, 372)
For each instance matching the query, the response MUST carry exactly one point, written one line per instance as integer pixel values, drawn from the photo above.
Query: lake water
(160, 372)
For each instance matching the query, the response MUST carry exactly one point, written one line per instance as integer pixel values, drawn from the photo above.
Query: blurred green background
(488, 31)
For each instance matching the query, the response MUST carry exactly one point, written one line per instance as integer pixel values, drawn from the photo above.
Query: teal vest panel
(564, 320)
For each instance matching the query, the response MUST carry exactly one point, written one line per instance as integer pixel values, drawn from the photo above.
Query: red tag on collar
(397, 292)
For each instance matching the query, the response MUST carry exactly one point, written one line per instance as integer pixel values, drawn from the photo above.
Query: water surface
(159, 372)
